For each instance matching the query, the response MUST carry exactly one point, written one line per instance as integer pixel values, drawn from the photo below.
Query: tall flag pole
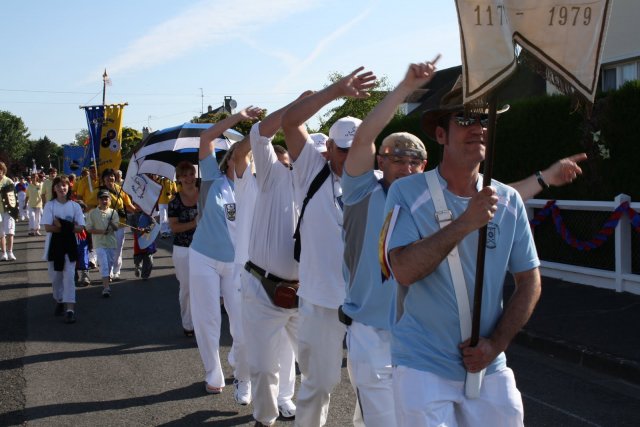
(105, 81)
(105, 131)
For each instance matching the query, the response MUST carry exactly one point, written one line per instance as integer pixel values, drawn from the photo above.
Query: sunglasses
(464, 120)
(344, 150)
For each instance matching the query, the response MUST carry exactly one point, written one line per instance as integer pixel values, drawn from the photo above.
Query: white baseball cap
(319, 141)
(343, 131)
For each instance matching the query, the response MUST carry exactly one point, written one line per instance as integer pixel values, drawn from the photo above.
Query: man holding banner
(431, 363)
(438, 379)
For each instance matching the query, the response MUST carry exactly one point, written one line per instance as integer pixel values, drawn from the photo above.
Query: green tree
(130, 140)
(80, 138)
(14, 137)
(45, 152)
(358, 108)
(243, 127)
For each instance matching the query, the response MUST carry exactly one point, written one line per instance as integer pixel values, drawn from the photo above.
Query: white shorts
(8, 226)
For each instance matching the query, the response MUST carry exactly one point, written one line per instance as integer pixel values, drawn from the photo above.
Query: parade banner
(563, 38)
(75, 158)
(105, 130)
(95, 116)
(110, 154)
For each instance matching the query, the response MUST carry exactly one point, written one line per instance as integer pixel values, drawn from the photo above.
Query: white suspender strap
(444, 217)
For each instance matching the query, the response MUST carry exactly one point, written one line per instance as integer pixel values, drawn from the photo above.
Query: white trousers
(117, 262)
(34, 215)
(163, 211)
(106, 258)
(209, 279)
(63, 283)
(23, 211)
(370, 372)
(268, 328)
(287, 373)
(320, 340)
(424, 400)
(180, 258)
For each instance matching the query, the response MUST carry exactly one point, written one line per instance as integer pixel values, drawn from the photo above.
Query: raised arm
(209, 135)
(355, 85)
(241, 156)
(270, 125)
(562, 172)
(362, 153)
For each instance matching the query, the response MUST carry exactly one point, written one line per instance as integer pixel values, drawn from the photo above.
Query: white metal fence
(622, 278)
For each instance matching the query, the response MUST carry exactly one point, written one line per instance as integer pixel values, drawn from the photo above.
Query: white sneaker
(4, 257)
(242, 392)
(287, 410)
(12, 257)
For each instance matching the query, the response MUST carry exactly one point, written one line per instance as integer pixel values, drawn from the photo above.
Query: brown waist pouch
(283, 293)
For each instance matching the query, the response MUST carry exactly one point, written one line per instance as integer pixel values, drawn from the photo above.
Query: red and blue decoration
(599, 238)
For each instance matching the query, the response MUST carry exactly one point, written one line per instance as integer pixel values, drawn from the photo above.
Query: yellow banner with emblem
(110, 155)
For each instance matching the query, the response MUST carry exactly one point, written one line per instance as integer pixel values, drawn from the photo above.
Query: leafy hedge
(536, 132)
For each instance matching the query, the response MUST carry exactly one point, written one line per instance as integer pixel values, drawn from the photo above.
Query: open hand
(251, 113)
(357, 83)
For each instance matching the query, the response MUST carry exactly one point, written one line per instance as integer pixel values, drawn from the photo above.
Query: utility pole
(202, 103)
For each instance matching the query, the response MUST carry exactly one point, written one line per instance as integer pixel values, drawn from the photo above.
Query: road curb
(628, 370)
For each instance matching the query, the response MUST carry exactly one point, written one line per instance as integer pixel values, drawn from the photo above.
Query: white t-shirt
(69, 211)
(276, 213)
(321, 279)
(246, 189)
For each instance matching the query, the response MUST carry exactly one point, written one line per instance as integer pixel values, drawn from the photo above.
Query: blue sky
(160, 53)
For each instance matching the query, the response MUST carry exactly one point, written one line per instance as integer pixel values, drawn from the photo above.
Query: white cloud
(287, 58)
(205, 24)
(321, 46)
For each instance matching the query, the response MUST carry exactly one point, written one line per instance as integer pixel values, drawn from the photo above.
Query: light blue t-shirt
(368, 298)
(427, 332)
(213, 237)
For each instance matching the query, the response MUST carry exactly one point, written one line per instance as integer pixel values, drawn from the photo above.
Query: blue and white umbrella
(162, 150)
(160, 153)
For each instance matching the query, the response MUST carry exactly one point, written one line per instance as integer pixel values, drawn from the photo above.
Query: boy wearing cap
(320, 333)
(102, 223)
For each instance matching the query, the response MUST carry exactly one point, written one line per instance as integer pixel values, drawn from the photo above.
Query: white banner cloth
(566, 36)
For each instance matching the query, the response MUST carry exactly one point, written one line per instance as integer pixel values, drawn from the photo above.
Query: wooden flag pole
(482, 236)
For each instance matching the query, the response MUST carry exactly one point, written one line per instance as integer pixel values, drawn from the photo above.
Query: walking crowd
(311, 244)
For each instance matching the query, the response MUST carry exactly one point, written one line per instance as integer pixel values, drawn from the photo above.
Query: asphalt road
(126, 361)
